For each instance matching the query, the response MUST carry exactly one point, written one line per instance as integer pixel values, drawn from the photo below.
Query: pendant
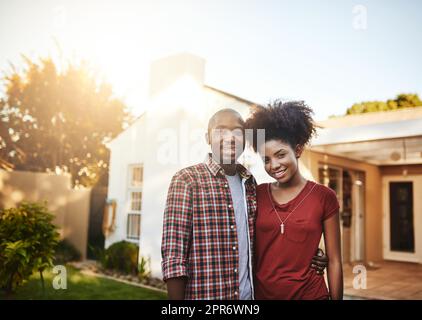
(282, 228)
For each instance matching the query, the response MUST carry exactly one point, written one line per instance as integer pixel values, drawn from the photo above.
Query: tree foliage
(400, 102)
(58, 118)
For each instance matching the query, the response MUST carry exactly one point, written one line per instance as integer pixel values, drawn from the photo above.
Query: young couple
(224, 237)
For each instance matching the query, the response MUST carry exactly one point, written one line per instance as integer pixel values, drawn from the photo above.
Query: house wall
(373, 216)
(70, 207)
(130, 147)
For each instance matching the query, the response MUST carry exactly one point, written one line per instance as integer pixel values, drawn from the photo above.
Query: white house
(364, 158)
(168, 136)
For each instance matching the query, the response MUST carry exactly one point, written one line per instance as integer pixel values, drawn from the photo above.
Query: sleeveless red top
(282, 264)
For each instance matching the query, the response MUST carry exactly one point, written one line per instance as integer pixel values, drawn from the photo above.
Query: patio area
(386, 281)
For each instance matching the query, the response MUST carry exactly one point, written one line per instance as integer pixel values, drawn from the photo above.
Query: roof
(206, 87)
(380, 131)
(232, 95)
(372, 118)
(391, 143)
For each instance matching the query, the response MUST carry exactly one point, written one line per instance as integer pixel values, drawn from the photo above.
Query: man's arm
(177, 234)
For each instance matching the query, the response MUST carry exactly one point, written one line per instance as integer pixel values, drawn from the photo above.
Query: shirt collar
(215, 168)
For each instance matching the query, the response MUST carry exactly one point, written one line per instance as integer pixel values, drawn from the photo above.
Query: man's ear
(207, 138)
(299, 150)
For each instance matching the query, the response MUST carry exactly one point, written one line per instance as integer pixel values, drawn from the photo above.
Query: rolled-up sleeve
(177, 228)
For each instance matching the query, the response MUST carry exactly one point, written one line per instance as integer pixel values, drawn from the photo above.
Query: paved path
(387, 281)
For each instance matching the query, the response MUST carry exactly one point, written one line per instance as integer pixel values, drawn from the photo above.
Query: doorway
(402, 215)
(349, 187)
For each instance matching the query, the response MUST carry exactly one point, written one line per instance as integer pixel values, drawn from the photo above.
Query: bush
(27, 242)
(66, 252)
(121, 256)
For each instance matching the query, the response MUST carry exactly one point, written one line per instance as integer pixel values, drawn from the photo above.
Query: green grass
(82, 287)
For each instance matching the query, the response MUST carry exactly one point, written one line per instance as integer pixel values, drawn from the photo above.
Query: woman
(293, 212)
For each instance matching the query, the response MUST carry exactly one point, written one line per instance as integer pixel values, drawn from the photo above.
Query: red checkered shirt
(199, 231)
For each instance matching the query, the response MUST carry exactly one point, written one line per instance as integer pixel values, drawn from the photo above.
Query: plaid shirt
(199, 231)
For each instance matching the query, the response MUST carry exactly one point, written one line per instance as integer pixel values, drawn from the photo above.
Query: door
(402, 234)
(401, 216)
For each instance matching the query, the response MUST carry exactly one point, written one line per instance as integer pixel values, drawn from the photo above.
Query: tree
(400, 102)
(58, 118)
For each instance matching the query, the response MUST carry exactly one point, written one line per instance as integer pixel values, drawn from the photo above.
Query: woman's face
(280, 159)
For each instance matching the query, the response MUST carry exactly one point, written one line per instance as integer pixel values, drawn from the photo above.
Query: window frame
(133, 188)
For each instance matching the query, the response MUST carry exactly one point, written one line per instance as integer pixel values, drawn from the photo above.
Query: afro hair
(290, 122)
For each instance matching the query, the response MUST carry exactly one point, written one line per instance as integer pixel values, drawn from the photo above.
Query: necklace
(282, 222)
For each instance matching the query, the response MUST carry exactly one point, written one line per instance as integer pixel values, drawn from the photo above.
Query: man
(208, 229)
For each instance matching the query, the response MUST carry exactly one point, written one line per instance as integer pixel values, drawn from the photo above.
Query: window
(133, 226)
(332, 177)
(136, 201)
(134, 206)
(137, 176)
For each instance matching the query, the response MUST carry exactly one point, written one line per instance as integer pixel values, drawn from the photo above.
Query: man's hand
(176, 288)
(319, 262)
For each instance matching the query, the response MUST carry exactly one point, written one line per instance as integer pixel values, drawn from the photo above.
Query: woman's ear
(298, 150)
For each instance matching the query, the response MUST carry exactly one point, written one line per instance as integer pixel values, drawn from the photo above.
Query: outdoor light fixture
(109, 217)
(395, 156)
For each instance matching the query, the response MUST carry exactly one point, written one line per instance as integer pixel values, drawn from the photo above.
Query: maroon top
(283, 260)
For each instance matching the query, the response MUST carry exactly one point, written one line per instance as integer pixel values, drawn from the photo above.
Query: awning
(392, 143)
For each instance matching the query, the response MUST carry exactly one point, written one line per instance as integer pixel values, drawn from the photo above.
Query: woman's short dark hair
(290, 122)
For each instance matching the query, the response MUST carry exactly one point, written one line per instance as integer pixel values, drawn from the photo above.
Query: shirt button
(235, 270)
(234, 248)
(235, 293)
(232, 227)
(230, 206)
(226, 185)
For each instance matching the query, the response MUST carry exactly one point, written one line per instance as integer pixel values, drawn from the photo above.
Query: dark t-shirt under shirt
(283, 260)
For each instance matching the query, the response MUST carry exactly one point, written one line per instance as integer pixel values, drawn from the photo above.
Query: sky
(329, 53)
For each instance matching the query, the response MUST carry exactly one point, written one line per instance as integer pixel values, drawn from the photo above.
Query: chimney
(166, 71)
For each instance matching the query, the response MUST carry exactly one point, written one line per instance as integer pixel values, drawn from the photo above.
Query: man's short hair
(225, 110)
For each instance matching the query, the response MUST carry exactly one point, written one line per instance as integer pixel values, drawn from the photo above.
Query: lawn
(82, 287)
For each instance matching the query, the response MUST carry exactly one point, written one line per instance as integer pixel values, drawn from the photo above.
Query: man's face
(226, 137)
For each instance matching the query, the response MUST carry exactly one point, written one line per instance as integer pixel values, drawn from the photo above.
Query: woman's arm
(333, 248)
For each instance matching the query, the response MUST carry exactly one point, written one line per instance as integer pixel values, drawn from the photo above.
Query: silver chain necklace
(282, 222)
